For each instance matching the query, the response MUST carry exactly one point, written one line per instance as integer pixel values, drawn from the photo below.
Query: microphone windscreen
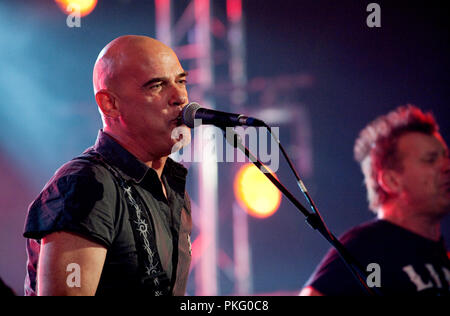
(188, 114)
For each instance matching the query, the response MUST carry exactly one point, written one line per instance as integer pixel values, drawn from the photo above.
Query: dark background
(48, 112)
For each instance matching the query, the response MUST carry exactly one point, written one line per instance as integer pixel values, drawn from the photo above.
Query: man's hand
(60, 249)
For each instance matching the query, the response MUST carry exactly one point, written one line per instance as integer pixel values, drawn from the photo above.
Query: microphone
(193, 111)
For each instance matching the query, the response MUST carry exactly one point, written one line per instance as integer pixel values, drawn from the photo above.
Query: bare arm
(310, 291)
(58, 251)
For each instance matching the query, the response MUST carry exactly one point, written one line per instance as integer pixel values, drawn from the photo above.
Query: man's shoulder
(80, 173)
(367, 244)
(83, 166)
(81, 197)
(367, 230)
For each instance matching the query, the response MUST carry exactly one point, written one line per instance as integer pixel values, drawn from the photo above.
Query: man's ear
(389, 181)
(106, 101)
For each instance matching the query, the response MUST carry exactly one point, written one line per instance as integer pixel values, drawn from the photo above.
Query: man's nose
(179, 96)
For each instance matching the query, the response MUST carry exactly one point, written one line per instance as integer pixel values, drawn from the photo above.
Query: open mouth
(177, 122)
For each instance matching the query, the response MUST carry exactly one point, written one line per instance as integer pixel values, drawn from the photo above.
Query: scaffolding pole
(195, 25)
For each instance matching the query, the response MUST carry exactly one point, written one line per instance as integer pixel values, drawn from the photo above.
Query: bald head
(124, 56)
(140, 89)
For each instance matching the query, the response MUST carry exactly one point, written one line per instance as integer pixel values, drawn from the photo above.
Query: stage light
(255, 193)
(69, 6)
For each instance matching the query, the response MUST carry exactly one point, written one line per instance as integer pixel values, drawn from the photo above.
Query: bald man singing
(116, 220)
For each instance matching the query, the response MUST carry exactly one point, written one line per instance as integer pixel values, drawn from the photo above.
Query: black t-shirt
(84, 198)
(407, 263)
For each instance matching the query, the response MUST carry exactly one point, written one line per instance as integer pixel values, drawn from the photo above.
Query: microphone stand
(313, 219)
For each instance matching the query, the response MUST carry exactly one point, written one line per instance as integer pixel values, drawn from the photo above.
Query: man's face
(425, 175)
(151, 94)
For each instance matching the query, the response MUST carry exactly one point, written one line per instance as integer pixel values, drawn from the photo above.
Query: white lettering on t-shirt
(416, 279)
(447, 274)
(434, 275)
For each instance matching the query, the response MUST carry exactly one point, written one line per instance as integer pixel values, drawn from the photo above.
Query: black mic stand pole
(312, 219)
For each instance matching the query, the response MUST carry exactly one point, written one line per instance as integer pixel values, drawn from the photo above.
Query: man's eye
(430, 160)
(156, 86)
(183, 81)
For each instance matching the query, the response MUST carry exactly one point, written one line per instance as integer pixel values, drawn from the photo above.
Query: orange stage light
(85, 6)
(255, 193)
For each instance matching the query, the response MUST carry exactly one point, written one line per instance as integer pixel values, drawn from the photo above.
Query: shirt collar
(131, 167)
(175, 174)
